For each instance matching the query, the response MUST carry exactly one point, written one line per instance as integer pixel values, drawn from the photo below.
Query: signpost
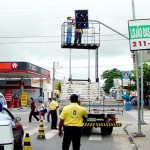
(139, 39)
(139, 34)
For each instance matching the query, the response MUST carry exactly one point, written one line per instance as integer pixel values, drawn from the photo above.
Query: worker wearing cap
(4, 116)
(53, 107)
(71, 118)
(69, 30)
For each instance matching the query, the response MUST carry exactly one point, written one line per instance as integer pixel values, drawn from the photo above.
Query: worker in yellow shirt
(71, 118)
(53, 107)
(78, 36)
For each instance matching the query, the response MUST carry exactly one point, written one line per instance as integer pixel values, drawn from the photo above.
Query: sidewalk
(139, 142)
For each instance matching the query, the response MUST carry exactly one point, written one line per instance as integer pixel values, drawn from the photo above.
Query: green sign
(139, 32)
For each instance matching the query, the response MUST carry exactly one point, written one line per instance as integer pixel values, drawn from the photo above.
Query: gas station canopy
(22, 70)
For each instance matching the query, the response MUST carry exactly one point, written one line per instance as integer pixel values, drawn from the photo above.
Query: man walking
(32, 113)
(71, 119)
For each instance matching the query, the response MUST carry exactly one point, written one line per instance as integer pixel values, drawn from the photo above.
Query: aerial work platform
(81, 33)
(90, 37)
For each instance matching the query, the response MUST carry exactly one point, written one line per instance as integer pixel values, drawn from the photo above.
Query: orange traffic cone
(27, 145)
(41, 133)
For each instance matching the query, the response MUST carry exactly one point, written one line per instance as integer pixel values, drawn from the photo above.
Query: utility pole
(139, 133)
(142, 94)
(55, 64)
(96, 65)
(53, 79)
(22, 90)
(70, 76)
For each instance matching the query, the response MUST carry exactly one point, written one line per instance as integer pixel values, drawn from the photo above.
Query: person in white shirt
(4, 116)
(42, 112)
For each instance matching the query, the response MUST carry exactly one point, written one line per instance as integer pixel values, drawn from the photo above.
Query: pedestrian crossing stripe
(102, 124)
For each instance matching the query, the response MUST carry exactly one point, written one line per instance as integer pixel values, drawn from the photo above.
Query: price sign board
(24, 99)
(139, 34)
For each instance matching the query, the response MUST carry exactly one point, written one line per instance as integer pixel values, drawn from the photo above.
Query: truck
(101, 112)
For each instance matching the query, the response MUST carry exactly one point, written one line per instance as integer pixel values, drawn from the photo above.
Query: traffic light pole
(112, 29)
(139, 133)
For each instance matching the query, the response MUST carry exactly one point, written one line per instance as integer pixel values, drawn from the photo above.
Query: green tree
(146, 78)
(58, 86)
(109, 75)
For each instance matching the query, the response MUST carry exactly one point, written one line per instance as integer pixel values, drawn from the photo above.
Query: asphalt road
(94, 141)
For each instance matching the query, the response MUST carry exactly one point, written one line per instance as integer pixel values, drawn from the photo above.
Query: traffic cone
(27, 145)
(41, 134)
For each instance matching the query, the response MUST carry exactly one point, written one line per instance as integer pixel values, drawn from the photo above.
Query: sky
(30, 31)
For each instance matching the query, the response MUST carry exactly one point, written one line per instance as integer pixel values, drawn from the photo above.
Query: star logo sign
(14, 65)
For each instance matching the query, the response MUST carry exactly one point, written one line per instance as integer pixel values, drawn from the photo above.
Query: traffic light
(81, 18)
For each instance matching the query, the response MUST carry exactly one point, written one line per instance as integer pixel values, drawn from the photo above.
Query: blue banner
(126, 74)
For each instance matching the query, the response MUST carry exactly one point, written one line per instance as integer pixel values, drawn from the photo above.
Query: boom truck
(101, 112)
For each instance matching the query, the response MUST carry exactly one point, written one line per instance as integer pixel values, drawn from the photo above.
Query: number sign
(139, 34)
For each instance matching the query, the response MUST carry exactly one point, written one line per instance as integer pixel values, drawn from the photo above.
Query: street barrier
(27, 144)
(41, 133)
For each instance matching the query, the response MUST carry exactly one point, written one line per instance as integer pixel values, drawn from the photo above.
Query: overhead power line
(92, 66)
(39, 42)
(39, 36)
(47, 36)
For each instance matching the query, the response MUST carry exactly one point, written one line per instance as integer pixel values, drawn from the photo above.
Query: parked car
(6, 138)
(3, 100)
(18, 131)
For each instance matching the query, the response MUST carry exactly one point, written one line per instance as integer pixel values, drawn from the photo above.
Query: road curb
(130, 137)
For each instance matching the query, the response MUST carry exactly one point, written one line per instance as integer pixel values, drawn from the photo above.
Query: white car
(6, 138)
(3, 100)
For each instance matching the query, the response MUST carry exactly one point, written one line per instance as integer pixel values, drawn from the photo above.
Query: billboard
(139, 37)
(126, 74)
(126, 78)
(117, 82)
(24, 99)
